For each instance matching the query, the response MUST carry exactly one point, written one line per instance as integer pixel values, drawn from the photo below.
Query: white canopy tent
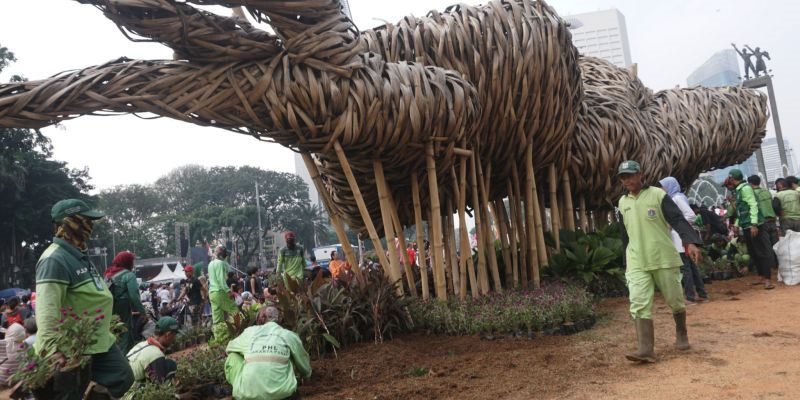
(165, 275)
(179, 272)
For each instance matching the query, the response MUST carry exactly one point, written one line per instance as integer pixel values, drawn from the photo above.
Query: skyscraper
(601, 34)
(722, 69)
(772, 160)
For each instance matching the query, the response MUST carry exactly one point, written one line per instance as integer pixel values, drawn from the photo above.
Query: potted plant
(46, 378)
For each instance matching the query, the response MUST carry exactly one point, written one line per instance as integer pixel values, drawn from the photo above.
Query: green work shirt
(650, 245)
(66, 279)
(790, 204)
(141, 356)
(764, 199)
(270, 355)
(747, 211)
(217, 275)
(292, 261)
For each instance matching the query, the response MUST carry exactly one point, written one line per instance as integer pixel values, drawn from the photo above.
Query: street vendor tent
(166, 275)
(179, 272)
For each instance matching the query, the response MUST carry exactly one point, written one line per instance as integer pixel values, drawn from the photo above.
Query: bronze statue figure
(748, 64)
(761, 66)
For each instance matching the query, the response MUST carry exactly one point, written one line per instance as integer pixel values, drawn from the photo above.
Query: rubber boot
(681, 336)
(646, 338)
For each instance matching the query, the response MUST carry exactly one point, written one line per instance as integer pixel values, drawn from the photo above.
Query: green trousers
(111, 369)
(221, 305)
(642, 284)
(234, 364)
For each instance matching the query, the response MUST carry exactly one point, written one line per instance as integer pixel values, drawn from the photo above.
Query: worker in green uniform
(220, 295)
(751, 221)
(122, 283)
(148, 359)
(764, 199)
(291, 259)
(66, 279)
(787, 205)
(646, 216)
(262, 360)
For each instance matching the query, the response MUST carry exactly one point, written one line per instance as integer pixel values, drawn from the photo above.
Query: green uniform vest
(217, 275)
(790, 203)
(764, 199)
(649, 242)
(67, 280)
(292, 262)
(744, 193)
(142, 355)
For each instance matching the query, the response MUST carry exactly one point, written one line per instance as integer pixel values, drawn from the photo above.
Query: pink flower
(61, 321)
(85, 312)
(98, 311)
(30, 366)
(98, 318)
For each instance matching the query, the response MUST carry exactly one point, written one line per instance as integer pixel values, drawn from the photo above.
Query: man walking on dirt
(220, 295)
(646, 215)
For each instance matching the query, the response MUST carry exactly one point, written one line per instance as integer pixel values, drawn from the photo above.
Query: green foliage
(155, 391)
(201, 367)
(73, 339)
(594, 259)
(509, 312)
(327, 317)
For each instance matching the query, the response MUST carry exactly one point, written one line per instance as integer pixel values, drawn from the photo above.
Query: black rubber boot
(681, 336)
(646, 339)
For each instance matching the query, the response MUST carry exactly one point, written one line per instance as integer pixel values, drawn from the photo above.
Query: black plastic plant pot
(727, 275)
(568, 329)
(707, 280)
(717, 275)
(66, 384)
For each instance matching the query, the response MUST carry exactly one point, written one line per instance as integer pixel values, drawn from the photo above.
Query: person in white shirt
(693, 286)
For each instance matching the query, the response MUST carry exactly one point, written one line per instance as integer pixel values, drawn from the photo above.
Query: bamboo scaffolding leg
(398, 228)
(483, 278)
(496, 209)
(436, 225)
(362, 208)
(466, 249)
(522, 232)
(489, 222)
(583, 215)
(333, 212)
(531, 209)
(512, 233)
(423, 268)
(569, 208)
(555, 216)
(386, 216)
(452, 248)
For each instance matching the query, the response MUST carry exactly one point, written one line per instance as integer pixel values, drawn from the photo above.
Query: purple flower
(61, 321)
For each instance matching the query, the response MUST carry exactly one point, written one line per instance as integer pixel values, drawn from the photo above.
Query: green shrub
(592, 259)
(509, 312)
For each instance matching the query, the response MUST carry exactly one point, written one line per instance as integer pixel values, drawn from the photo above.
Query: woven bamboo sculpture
(422, 120)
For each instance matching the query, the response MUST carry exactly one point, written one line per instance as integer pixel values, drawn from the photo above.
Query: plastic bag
(788, 251)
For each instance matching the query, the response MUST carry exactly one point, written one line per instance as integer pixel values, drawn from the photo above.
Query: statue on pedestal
(748, 64)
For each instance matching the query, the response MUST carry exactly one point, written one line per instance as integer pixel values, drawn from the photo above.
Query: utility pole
(260, 231)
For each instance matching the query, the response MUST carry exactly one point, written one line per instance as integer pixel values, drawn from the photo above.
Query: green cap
(629, 167)
(70, 207)
(166, 324)
(736, 174)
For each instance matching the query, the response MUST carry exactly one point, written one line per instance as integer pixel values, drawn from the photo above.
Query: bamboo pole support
(386, 216)
(335, 217)
(483, 278)
(521, 228)
(512, 233)
(452, 269)
(541, 217)
(489, 223)
(436, 225)
(362, 208)
(496, 209)
(466, 249)
(530, 215)
(423, 267)
(569, 208)
(555, 216)
(452, 248)
(398, 229)
(583, 215)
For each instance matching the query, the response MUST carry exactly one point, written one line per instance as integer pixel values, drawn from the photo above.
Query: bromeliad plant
(594, 259)
(75, 335)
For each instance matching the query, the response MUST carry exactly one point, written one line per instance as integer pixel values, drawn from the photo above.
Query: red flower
(99, 317)
(98, 311)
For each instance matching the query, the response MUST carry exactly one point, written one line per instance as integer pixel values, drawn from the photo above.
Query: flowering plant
(75, 335)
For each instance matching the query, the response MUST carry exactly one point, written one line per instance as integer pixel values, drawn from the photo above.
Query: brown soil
(745, 345)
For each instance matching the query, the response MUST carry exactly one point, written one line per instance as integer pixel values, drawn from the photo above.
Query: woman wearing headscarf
(127, 303)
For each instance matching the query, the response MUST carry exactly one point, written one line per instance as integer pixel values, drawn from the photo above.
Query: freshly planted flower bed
(553, 309)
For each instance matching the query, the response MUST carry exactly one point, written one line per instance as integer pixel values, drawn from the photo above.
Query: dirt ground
(745, 345)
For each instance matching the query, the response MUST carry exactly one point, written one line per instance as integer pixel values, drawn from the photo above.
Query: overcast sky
(668, 39)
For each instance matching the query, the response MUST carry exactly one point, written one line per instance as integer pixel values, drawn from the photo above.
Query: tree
(30, 183)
